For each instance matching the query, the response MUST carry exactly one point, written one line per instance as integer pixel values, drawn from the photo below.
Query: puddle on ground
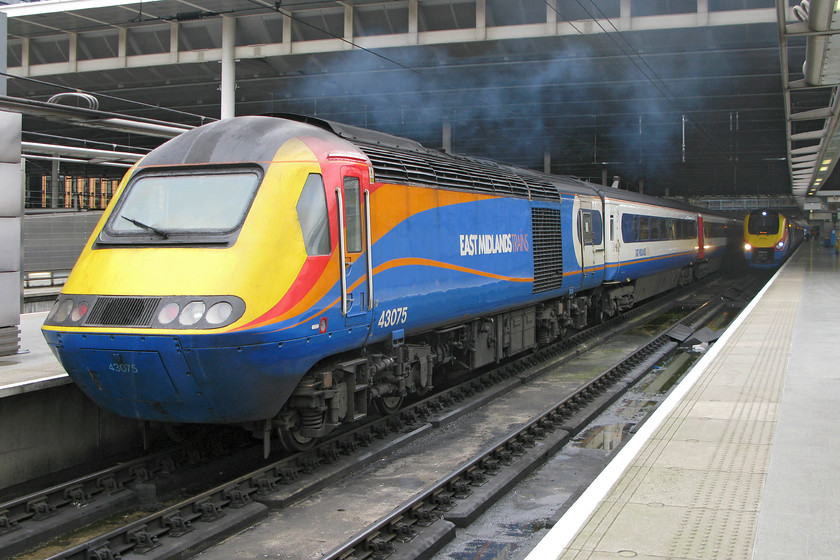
(616, 423)
(485, 550)
(661, 322)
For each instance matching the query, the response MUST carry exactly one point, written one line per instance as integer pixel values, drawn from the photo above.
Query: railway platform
(51, 425)
(740, 460)
(34, 367)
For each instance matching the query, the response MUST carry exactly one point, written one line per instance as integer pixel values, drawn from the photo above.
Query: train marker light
(219, 313)
(168, 313)
(322, 325)
(192, 313)
(79, 311)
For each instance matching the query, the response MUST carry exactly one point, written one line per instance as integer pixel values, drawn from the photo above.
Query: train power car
(292, 274)
(769, 238)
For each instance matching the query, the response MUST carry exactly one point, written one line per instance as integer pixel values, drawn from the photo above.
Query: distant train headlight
(192, 312)
(780, 245)
(747, 247)
(168, 313)
(219, 313)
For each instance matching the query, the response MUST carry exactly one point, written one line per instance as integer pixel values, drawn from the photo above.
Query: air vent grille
(123, 312)
(548, 249)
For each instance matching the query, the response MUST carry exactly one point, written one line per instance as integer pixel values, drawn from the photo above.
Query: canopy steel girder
(821, 70)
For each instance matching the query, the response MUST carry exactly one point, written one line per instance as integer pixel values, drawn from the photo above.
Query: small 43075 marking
(123, 368)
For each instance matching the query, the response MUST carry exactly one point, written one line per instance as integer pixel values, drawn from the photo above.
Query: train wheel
(388, 405)
(292, 441)
(292, 438)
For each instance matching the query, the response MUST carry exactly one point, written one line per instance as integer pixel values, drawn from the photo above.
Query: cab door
(612, 241)
(591, 234)
(354, 246)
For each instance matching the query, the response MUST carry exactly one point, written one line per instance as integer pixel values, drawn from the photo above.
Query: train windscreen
(763, 223)
(165, 204)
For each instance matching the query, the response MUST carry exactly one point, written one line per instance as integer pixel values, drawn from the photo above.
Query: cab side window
(312, 214)
(353, 214)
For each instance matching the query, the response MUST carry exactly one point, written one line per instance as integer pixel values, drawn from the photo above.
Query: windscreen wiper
(147, 227)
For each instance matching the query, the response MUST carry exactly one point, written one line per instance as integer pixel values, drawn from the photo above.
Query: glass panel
(353, 214)
(766, 223)
(644, 229)
(587, 228)
(597, 228)
(166, 204)
(628, 229)
(654, 228)
(312, 213)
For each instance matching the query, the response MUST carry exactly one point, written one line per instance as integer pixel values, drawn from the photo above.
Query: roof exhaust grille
(455, 172)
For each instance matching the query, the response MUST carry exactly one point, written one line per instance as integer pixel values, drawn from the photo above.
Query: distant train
(291, 274)
(769, 238)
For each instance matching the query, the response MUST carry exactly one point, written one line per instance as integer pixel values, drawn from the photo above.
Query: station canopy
(680, 97)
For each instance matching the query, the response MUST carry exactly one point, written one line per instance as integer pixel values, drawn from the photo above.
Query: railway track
(183, 528)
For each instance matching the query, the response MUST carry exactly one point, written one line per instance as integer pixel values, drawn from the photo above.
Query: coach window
(597, 228)
(644, 228)
(353, 214)
(668, 232)
(586, 223)
(312, 214)
(654, 229)
(628, 228)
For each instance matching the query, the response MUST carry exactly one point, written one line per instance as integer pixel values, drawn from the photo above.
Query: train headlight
(747, 247)
(780, 245)
(62, 310)
(168, 313)
(161, 312)
(192, 313)
(219, 313)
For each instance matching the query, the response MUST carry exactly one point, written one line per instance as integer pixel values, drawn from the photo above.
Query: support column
(122, 46)
(228, 67)
(547, 161)
(624, 15)
(73, 52)
(413, 17)
(446, 141)
(56, 199)
(551, 17)
(11, 218)
(348, 26)
(11, 232)
(480, 20)
(174, 47)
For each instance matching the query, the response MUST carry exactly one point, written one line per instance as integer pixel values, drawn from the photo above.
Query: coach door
(353, 202)
(591, 230)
